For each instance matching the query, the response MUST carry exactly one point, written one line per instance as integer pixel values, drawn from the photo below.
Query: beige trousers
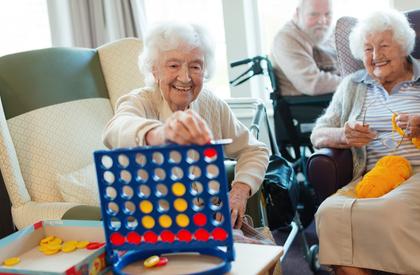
(380, 233)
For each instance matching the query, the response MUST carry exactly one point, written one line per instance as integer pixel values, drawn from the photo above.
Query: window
(208, 13)
(30, 23)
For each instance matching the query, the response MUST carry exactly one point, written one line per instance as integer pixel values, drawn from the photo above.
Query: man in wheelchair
(302, 54)
(304, 64)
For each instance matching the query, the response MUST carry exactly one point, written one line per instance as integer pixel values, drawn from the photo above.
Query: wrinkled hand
(410, 123)
(356, 134)
(182, 127)
(238, 197)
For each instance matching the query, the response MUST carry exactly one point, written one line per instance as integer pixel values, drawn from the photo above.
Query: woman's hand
(182, 127)
(356, 134)
(409, 123)
(238, 198)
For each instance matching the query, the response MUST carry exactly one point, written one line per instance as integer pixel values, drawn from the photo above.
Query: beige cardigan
(144, 109)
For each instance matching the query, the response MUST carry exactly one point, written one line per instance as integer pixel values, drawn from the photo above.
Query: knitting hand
(356, 134)
(411, 124)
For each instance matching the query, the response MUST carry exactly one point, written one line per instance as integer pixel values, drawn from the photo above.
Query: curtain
(91, 23)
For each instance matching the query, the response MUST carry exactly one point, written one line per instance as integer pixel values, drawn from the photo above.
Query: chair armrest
(32, 212)
(328, 170)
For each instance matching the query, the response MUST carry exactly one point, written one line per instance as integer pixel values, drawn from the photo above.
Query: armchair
(329, 169)
(55, 103)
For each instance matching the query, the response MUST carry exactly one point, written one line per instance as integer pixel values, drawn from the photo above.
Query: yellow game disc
(47, 239)
(70, 243)
(151, 261)
(70, 247)
(56, 241)
(51, 252)
(148, 222)
(146, 207)
(180, 205)
(182, 220)
(52, 246)
(178, 189)
(82, 244)
(42, 248)
(13, 261)
(165, 221)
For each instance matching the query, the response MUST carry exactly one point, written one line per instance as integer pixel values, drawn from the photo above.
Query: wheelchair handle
(256, 122)
(240, 62)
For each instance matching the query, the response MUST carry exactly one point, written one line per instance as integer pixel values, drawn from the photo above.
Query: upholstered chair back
(55, 104)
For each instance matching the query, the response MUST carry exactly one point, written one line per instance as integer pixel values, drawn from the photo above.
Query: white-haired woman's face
(180, 75)
(383, 57)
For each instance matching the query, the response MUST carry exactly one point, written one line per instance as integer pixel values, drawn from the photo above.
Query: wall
(404, 5)
(245, 109)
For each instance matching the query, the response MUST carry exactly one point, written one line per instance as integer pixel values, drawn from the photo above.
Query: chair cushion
(80, 186)
(56, 140)
(119, 66)
(346, 62)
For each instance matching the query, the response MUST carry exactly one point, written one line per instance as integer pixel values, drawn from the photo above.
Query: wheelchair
(293, 121)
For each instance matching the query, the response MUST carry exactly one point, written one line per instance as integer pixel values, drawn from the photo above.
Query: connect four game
(165, 199)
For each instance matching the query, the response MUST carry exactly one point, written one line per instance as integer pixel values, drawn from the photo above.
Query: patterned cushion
(119, 66)
(56, 140)
(80, 186)
(346, 62)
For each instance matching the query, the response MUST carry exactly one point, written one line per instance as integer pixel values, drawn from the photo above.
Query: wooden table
(250, 259)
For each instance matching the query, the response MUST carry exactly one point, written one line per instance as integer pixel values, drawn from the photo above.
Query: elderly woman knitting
(375, 113)
(176, 107)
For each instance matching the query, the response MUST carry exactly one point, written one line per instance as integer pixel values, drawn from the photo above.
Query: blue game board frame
(128, 208)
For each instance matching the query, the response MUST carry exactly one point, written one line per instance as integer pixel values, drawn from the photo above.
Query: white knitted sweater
(144, 109)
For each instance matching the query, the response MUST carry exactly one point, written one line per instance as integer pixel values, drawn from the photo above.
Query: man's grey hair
(380, 21)
(166, 36)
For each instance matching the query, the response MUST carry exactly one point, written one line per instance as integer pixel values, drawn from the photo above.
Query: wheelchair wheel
(313, 258)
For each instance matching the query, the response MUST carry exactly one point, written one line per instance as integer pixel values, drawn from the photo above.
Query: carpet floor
(294, 262)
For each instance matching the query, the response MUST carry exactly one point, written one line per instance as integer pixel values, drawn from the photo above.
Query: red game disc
(162, 261)
(200, 219)
(95, 245)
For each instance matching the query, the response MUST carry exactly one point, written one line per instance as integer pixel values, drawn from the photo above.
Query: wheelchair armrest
(319, 100)
(328, 170)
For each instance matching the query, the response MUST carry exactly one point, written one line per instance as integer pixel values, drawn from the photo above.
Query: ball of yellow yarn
(388, 173)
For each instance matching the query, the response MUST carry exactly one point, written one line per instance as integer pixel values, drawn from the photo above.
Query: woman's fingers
(238, 197)
(187, 127)
(175, 131)
(411, 123)
(197, 127)
(357, 134)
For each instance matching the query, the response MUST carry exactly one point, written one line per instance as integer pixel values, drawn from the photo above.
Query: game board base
(207, 261)
(177, 264)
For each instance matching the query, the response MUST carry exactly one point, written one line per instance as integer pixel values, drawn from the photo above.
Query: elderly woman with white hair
(359, 235)
(176, 107)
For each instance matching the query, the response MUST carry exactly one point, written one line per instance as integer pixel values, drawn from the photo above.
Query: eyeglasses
(392, 142)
